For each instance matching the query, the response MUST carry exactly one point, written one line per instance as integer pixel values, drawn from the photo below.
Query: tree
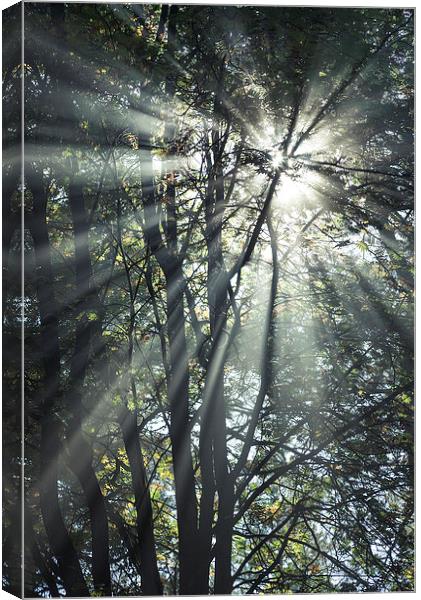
(218, 300)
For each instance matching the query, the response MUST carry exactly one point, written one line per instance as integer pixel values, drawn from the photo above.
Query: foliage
(218, 300)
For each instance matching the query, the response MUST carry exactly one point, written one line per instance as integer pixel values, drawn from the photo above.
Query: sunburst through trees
(217, 312)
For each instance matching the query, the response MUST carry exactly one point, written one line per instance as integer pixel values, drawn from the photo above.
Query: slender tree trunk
(42, 562)
(265, 374)
(178, 395)
(178, 380)
(177, 385)
(145, 548)
(80, 453)
(58, 536)
(218, 417)
(178, 389)
(79, 449)
(214, 423)
(50, 447)
(151, 581)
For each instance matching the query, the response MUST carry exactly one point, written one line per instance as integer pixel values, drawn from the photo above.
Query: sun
(300, 186)
(278, 159)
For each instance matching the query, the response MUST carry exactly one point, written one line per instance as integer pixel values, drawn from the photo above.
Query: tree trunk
(50, 447)
(144, 551)
(42, 562)
(151, 581)
(214, 425)
(178, 383)
(178, 395)
(80, 452)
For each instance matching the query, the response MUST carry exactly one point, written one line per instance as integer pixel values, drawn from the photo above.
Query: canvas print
(207, 299)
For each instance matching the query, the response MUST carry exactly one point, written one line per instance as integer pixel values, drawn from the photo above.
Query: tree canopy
(217, 315)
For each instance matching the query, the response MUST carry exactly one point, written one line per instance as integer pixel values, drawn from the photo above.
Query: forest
(213, 325)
